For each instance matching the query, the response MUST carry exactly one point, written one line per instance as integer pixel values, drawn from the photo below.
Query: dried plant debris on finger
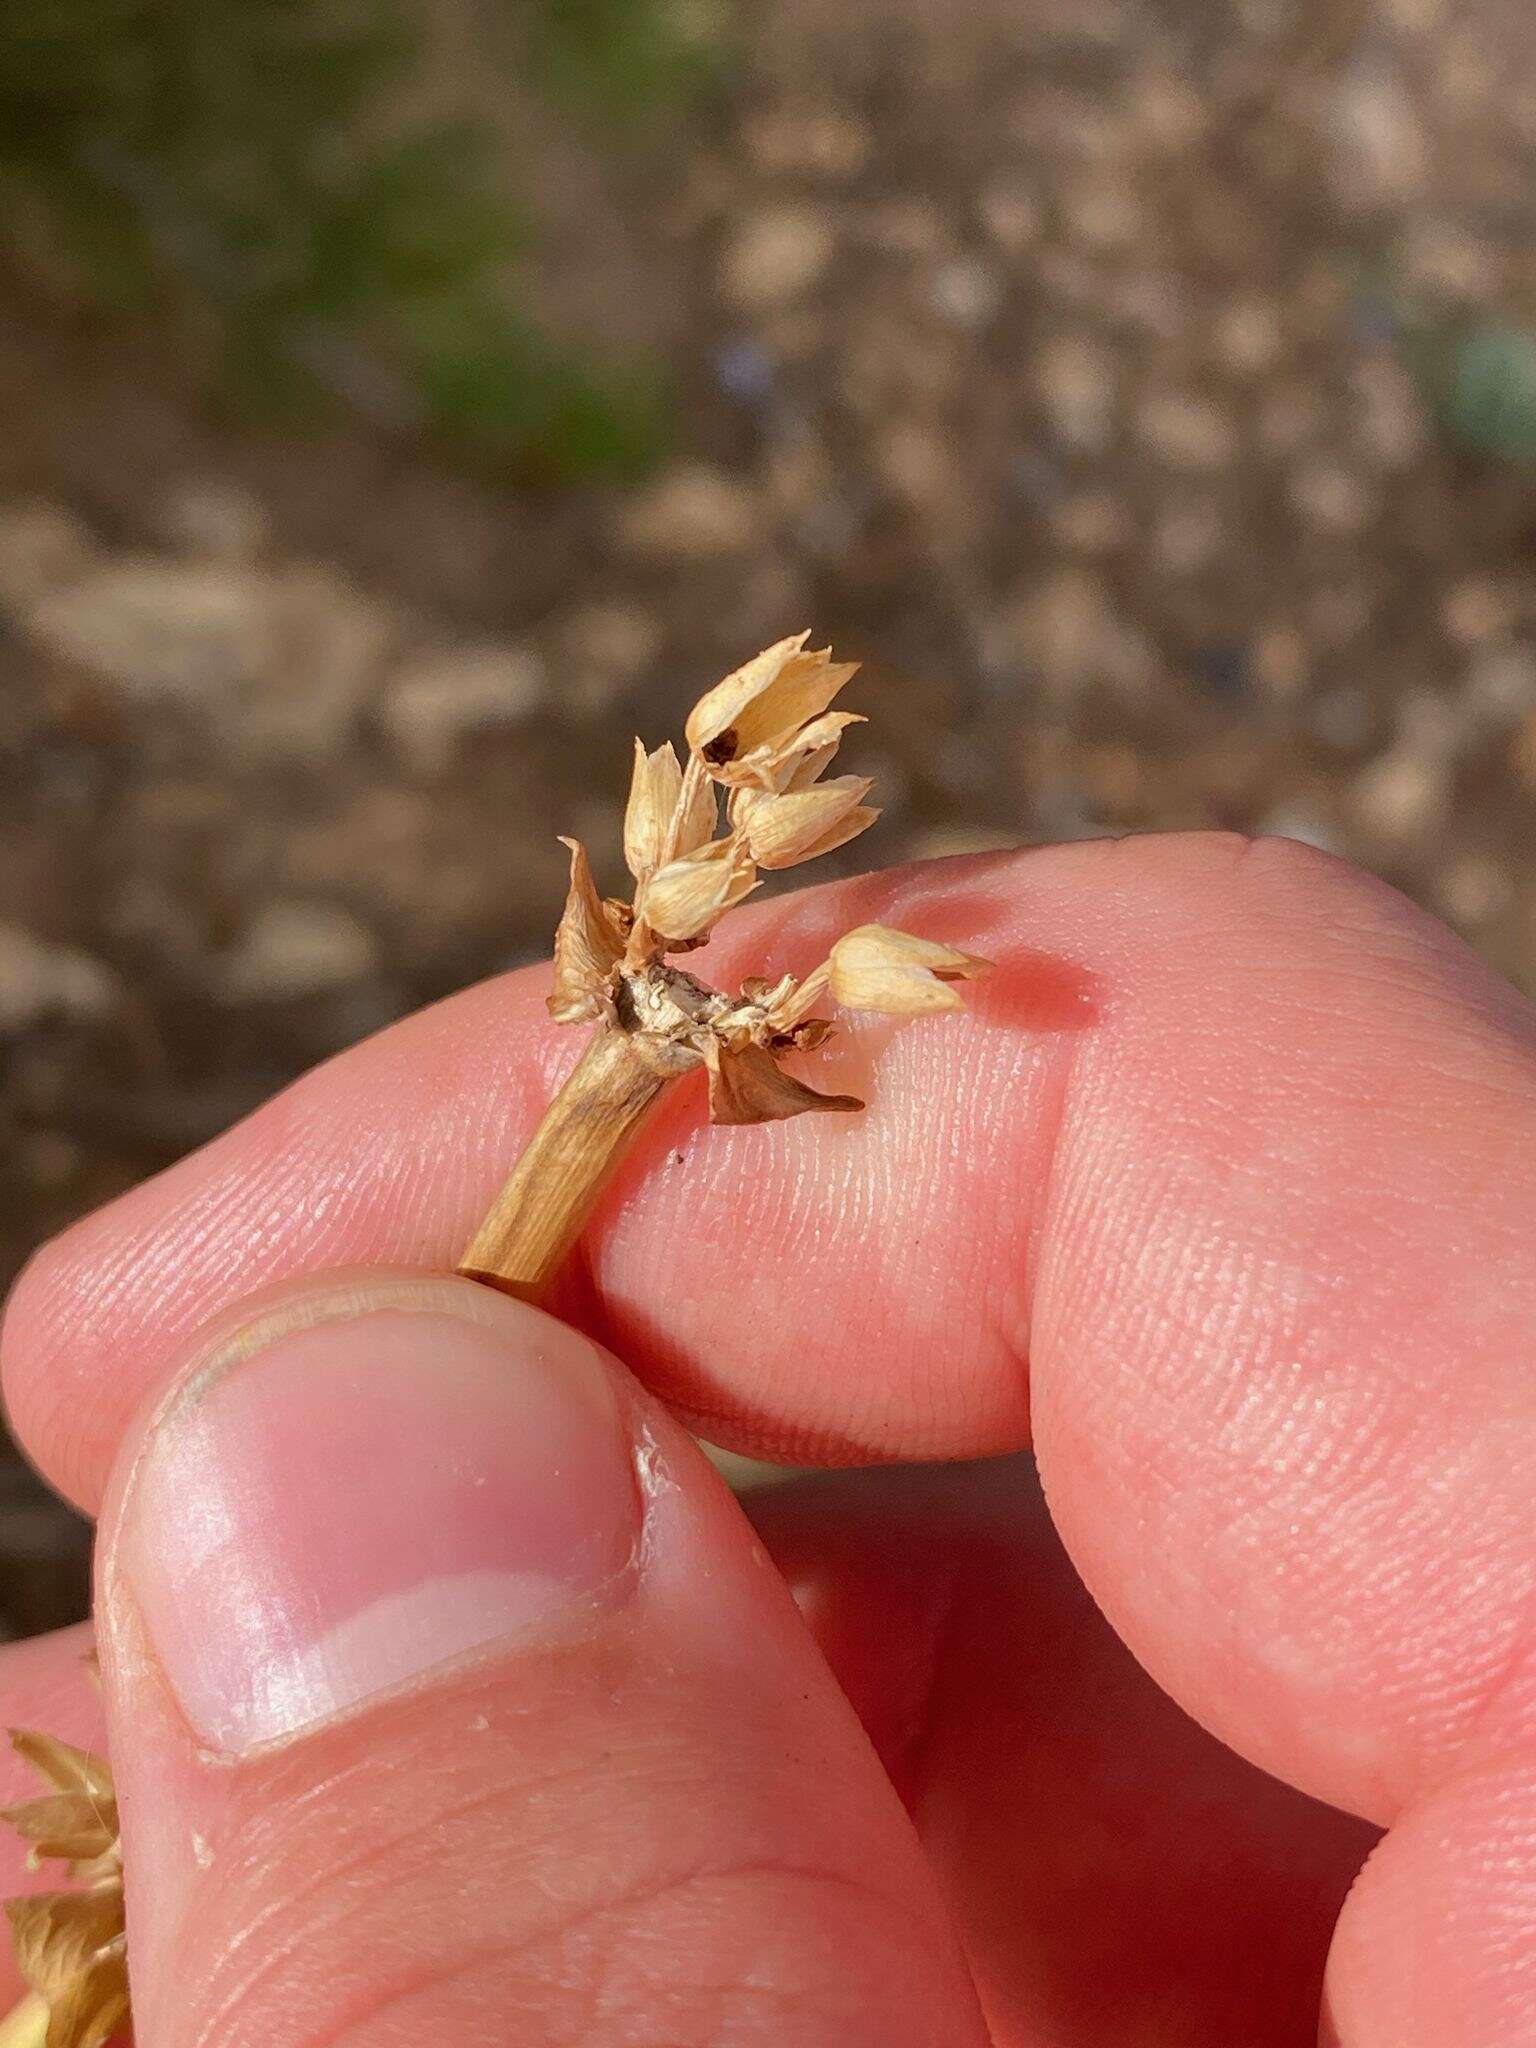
(71, 1947)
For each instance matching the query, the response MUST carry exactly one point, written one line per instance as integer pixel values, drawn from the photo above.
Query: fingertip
(1434, 1945)
(399, 1560)
(47, 1295)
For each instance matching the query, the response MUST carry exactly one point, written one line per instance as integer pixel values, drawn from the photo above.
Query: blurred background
(403, 402)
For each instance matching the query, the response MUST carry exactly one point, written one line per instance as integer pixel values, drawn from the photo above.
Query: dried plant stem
(542, 1210)
(26, 2025)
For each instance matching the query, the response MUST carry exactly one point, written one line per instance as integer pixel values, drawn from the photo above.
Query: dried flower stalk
(762, 740)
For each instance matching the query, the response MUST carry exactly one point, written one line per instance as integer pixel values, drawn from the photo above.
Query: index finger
(1235, 1158)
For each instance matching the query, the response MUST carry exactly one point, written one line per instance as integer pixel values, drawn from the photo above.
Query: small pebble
(42, 546)
(965, 292)
(745, 370)
(798, 140)
(160, 630)
(909, 227)
(437, 703)
(1077, 381)
(1280, 664)
(296, 949)
(1093, 523)
(1249, 336)
(215, 519)
(1390, 413)
(1342, 719)
(1501, 682)
(1447, 259)
(1104, 212)
(1478, 609)
(775, 256)
(41, 983)
(1330, 497)
(1187, 538)
(1383, 154)
(1187, 431)
(1473, 889)
(1403, 794)
(692, 514)
(1012, 215)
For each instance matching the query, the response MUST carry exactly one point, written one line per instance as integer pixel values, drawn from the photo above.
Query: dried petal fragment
(699, 817)
(59, 1934)
(762, 707)
(75, 1826)
(784, 830)
(814, 748)
(654, 789)
(587, 948)
(70, 1769)
(71, 1946)
(877, 968)
(749, 1087)
(683, 899)
(793, 1001)
(95, 2007)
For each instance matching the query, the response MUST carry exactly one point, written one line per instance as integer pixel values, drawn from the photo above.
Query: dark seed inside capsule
(721, 748)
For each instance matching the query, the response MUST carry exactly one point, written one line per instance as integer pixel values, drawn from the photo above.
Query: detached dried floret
(71, 1947)
(765, 738)
(876, 968)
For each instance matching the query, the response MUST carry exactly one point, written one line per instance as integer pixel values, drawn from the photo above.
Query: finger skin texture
(1248, 1195)
(1438, 1942)
(1121, 1880)
(1229, 1173)
(645, 1818)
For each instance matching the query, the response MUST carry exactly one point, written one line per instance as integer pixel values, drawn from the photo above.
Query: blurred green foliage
(248, 168)
(1488, 391)
(620, 58)
(1477, 374)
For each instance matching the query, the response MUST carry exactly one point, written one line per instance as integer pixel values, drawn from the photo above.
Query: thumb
(452, 1702)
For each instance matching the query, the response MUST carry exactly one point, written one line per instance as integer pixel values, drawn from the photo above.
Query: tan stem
(25, 2025)
(539, 1214)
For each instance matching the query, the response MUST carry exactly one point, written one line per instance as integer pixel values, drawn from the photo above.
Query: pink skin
(500, 1832)
(1231, 1173)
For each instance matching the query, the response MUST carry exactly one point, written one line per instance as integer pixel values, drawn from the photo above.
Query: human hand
(432, 1725)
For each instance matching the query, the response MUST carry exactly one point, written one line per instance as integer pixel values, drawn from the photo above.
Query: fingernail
(373, 1486)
